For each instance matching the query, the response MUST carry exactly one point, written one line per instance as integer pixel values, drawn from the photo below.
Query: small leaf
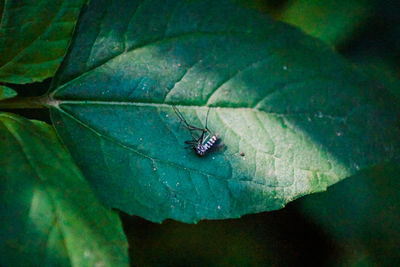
(300, 114)
(34, 37)
(49, 215)
(6, 92)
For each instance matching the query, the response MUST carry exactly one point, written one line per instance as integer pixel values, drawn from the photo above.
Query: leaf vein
(233, 75)
(11, 60)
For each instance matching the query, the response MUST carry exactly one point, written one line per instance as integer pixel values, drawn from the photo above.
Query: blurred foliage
(376, 49)
(6, 92)
(278, 238)
(331, 21)
(274, 8)
(49, 215)
(361, 215)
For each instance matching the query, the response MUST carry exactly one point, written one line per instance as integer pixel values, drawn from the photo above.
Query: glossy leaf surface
(49, 214)
(301, 115)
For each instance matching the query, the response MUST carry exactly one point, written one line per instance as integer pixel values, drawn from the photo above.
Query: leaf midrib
(58, 105)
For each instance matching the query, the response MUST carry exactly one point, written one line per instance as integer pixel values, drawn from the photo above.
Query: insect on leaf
(294, 116)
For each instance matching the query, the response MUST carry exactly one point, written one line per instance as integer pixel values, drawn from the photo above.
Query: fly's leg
(205, 139)
(194, 137)
(206, 128)
(208, 111)
(191, 128)
(190, 143)
(187, 125)
(205, 132)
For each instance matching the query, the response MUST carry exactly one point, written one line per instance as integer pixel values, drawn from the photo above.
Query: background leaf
(376, 50)
(49, 215)
(331, 21)
(380, 68)
(6, 92)
(34, 37)
(361, 215)
(301, 114)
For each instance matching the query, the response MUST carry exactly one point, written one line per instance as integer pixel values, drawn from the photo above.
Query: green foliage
(382, 70)
(331, 21)
(294, 116)
(361, 214)
(34, 37)
(375, 51)
(6, 92)
(49, 215)
(303, 116)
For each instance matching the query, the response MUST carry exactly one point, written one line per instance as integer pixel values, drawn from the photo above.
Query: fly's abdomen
(211, 142)
(202, 149)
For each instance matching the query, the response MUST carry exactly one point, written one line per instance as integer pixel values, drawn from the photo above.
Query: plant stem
(24, 102)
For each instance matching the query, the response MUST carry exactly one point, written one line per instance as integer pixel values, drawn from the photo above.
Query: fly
(205, 142)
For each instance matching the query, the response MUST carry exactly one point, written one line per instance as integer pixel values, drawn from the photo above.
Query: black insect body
(205, 142)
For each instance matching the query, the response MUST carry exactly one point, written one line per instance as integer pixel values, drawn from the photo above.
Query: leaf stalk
(36, 102)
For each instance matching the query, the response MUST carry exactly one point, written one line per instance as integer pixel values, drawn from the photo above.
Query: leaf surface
(49, 214)
(34, 37)
(6, 92)
(300, 114)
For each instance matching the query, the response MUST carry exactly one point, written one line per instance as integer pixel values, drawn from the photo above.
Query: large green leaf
(49, 215)
(302, 116)
(34, 37)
